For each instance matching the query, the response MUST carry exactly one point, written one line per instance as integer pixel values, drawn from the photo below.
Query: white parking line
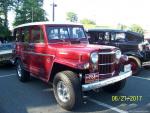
(7, 75)
(141, 78)
(107, 106)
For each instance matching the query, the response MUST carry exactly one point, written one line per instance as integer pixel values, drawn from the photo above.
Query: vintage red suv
(60, 54)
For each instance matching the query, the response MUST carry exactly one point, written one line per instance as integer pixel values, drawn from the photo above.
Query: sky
(103, 12)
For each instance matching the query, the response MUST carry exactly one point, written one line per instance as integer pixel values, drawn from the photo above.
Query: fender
(74, 64)
(70, 63)
(136, 54)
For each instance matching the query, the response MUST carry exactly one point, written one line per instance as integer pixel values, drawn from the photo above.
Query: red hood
(83, 47)
(74, 51)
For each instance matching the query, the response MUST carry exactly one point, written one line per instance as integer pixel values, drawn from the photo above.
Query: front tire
(22, 74)
(113, 88)
(67, 90)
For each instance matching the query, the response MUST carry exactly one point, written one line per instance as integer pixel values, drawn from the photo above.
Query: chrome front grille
(106, 62)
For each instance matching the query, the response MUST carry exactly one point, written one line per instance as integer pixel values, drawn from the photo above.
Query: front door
(38, 48)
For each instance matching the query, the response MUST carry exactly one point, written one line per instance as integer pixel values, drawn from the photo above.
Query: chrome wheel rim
(63, 91)
(19, 70)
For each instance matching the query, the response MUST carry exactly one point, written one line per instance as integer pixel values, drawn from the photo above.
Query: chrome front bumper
(95, 85)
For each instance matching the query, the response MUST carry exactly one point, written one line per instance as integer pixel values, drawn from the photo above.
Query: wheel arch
(134, 54)
(58, 67)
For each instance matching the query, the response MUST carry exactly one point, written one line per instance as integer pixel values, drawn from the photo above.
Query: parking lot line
(141, 78)
(106, 105)
(7, 75)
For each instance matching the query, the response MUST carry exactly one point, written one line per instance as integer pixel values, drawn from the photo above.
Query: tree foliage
(30, 11)
(5, 6)
(72, 17)
(4, 32)
(137, 28)
(88, 22)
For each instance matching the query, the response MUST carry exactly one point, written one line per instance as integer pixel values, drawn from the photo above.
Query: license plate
(127, 68)
(92, 77)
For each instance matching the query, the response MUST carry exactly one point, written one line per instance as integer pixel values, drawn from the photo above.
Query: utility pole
(53, 10)
(32, 14)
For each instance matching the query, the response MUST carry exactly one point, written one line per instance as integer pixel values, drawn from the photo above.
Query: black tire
(113, 88)
(135, 65)
(22, 74)
(73, 84)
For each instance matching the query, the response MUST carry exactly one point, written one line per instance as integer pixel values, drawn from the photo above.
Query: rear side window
(117, 36)
(17, 35)
(25, 34)
(37, 35)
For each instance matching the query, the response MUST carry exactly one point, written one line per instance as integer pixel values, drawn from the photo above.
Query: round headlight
(118, 54)
(94, 57)
(140, 46)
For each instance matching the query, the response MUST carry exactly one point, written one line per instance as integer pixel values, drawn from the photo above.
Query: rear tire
(67, 90)
(113, 88)
(135, 65)
(22, 74)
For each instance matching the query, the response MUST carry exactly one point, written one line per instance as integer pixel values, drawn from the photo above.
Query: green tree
(4, 32)
(87, 21)
(5, 6)
(30, 11)
(137, 28)
(72, 17)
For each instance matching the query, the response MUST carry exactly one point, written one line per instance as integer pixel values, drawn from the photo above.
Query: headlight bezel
(118, 54)
(140, 47)
(94, 57)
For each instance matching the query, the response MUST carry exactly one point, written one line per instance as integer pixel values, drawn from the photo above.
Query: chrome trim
(108, 73)
(99, 84)
(107, 63)
(34, 53)
(106, 53)
(3, 52)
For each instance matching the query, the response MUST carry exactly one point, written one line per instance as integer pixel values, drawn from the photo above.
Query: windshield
(62, 33)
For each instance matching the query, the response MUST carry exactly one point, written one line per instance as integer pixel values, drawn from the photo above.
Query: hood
(75, 51)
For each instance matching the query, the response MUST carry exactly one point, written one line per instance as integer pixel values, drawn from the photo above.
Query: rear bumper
(5, 56)
(121, 76)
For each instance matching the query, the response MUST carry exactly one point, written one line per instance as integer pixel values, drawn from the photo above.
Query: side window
(25, 34)
(17, 35)
(113, 36)
(120, 37)
(37, 35)
(101, 36)
(107, 36)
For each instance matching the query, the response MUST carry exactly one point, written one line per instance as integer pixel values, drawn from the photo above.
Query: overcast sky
(109, 12)
(104, 11)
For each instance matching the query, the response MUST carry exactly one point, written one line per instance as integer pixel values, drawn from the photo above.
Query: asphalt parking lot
(37, 97)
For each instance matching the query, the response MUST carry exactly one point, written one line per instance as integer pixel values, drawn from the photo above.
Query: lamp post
(53, 10)
(32, 14)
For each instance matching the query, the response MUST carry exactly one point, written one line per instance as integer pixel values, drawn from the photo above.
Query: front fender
(71, 63)
(136, 54)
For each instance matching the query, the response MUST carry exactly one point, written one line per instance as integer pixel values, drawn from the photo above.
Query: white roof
(47, 23)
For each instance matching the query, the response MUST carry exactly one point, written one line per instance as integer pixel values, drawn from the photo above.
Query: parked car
(6, 52)
(130, 43)
(60, 53)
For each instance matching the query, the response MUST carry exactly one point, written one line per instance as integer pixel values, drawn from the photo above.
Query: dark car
(130, 43)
